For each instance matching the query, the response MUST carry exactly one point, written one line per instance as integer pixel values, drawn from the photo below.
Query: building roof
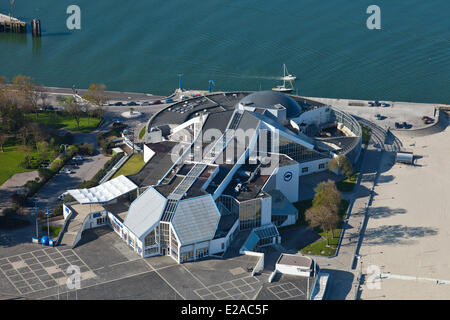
(264, 99)
(295, 260)
(145, 212)
(157, 166)
(196, 219)
(104, 192)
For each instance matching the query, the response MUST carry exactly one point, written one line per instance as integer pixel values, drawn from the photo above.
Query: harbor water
(143, 45)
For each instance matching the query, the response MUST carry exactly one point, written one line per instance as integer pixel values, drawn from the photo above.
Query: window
(152, 238)
(101, 220)
(151, 251)
(321, 166)
(305, 169)
(200, 253)
(223, 246)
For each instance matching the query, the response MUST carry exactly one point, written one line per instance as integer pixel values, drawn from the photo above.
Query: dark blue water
(143, 45)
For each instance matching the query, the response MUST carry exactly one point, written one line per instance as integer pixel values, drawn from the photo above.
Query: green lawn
(56, 120)
(132, 166)
(54, 230)
(366, 133)
(142, 132)
(10, 160)
(320, 246)
(347, 185)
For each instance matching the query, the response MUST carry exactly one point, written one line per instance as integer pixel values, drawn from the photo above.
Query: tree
(74, 110)
(3, 139)
(11, 117)
(25, 90)
(342, 165)
(96, 94)
(322, 217)
(327, 195)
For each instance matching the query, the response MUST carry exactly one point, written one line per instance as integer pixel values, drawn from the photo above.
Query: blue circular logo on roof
(288, 176)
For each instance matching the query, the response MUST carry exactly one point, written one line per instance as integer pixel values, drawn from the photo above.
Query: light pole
(48, 225)
(36, 214)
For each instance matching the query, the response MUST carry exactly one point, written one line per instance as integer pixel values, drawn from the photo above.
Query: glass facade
(298, 152)
(173, 245)
(152, 238)
(250, 214)
(249, 211)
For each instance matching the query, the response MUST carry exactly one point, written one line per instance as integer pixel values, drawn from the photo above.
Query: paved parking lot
(286, 291)
(110, 270)
(238, 289)
(41, 269)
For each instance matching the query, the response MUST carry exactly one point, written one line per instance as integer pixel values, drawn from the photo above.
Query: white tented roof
(104, 192)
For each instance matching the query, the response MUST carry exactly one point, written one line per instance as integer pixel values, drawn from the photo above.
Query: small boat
(282, 88)
(286, 78)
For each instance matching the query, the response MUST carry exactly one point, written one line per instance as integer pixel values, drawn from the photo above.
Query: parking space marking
(41, 269)
(236, 289)
(284, 291)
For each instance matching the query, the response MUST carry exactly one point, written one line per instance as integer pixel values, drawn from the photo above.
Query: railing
(114, 169)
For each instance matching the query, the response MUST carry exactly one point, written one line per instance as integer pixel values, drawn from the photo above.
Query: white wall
(148, 153)
(288, 187)
(313, 166)
(216, 244)
(266, 210)
(317, 116)
(66, 212)
(293, 270)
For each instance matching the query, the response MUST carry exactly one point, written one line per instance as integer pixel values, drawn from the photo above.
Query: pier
(10, 24)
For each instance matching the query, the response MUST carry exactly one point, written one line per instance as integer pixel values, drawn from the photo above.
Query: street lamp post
(36, 216)
(48, 225)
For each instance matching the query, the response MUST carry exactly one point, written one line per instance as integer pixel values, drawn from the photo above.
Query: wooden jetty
(10, 24)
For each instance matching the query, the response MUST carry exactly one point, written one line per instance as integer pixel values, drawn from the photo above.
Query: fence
(114, 169)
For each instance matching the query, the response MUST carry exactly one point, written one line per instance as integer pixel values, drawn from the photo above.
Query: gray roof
(145, 212)
(196, 219)
(280, 204)
(263, 99)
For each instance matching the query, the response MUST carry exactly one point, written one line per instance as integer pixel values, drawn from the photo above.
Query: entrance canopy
(104, 192)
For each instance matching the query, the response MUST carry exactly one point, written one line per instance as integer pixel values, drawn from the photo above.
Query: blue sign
(288, 176)
(97, 214)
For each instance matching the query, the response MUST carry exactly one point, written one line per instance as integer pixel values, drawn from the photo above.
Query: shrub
(86, 149)
(45, 173)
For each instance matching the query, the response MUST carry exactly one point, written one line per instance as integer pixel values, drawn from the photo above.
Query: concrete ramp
(74, 226)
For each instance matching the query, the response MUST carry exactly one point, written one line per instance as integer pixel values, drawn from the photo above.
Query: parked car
(169, 100)
(66, 170)
(156, 102)
(78, 158)
(132, 103)
(378, 116)
(384, 104)
(145, 103)
(119, 103)
(398, 125)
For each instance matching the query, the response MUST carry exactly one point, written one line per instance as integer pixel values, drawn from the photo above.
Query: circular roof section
(262, 99)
